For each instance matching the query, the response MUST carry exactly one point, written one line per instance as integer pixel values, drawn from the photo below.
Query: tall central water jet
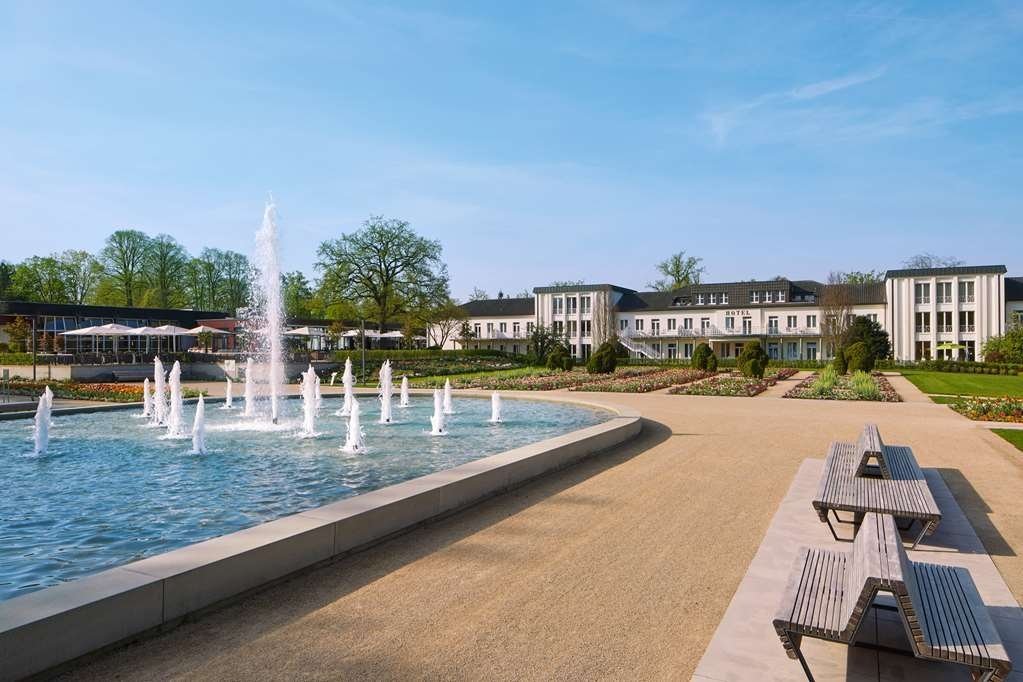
(348, 381)
(199, 428)
(41, 429)
(309, 402)
(175, 426)
(495, 408)
(386, 389)
(159, 417)
(267, 316)
(355, 439)
(437, 420)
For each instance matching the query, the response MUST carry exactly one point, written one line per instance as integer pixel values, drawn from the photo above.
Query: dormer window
(781, 297)
(754, 297)
(768, 296)
(713, 299)
(699, 299)
(724, 299)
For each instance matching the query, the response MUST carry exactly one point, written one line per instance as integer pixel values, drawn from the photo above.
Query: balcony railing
(923, 299)
(966, 299)
(945, 328)
(967, 328)
(923, 328)
(945, 299)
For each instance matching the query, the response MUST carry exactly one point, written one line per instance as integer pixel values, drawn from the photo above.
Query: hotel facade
(928, 313)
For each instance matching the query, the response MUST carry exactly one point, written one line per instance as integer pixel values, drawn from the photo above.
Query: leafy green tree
(40, 278)
(18, 330)
(1006, 348)
(166, 261)
(678, 270)
(6, 275)
(386, 265)
(296, 294)
(871, 333)
(604, 359)
(861, 277)
(124, 257)
(753, 360)
(236, 274)
(858, 357)
(442, 321)
(542, 342)
(81, 272)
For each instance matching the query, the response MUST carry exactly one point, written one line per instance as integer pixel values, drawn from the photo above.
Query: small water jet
(333, 375)
(495, 408)
(159, 393)
(48, 394)
(437, 420)
(319, 393)
(228, 394)
(404, 400)
(309, 402)
(449, 407)
(199, 428)
(348, 381)
(386, 389)
(41, 429)
(250, 388)
(355, 439)
(147, 399)
(175, 426)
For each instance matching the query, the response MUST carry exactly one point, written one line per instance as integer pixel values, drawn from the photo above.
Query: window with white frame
(503, 327)
(966, 292)
(559, 305)
(572, 305)
(811, 321)
(713, 299)
(687, 323)
(572, 328)
(781, 297)
(966, 319)
(655, 326)
(587, 328)
(639, 324)
(790, 322)
(490, 328)
(529, 327)
(729, 322)
(687, 350)
(922, 292)
(724, 298)
(699, 299)
(768, 296)
(923, 322)
(516, 328)
(476, 330)
(623, 324)
(772, 325)
(754, 297)
(704, 324)
(559, 327)
(943, 292)
(672, 322)
(584, 304)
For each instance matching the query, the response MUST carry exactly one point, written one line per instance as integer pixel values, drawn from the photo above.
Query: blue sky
(536, 141)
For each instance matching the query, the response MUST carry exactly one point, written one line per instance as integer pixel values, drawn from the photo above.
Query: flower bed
(731, 384)
(1006, 409)
(781, 373)
(652, 381)
(828, 385)
(73, 390)
(533, 379)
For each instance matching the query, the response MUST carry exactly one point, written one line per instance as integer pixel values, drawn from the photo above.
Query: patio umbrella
(948, 345)
(84, 331)
(173, 331)
(302, 331)
(203, 329)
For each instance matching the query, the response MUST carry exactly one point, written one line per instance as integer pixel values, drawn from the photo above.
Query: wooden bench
(132, 374)
(830, 591)
(899, 489)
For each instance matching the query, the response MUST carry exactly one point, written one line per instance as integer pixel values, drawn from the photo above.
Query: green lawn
(1014, 436)
(957, 383)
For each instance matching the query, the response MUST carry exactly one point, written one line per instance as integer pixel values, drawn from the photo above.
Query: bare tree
(929, 260)
(603, 319)
(478, 294)
(443, 321)
(836, 309)
(678, 270)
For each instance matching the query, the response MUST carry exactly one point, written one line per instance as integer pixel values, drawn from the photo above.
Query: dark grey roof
(28, 308)
(582, 287)
(500, 307)
(1014, 288)
(938, 272)
(800, 292)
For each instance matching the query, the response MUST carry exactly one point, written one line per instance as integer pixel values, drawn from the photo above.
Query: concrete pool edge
(45, 629)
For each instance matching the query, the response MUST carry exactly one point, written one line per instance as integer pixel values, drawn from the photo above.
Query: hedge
(382, 355)
(954, 366)
(16, 359)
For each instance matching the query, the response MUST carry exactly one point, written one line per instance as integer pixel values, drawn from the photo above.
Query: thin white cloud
(822, 88)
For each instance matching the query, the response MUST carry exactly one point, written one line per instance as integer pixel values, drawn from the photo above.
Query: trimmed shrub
(700, 355)
(603, 360)
(753, 360)
(712, 362)
(839, 363)
(559, 358)
(858, 357)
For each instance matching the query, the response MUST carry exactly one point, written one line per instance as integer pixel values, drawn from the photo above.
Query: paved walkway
(905, 388)
(785, 385)
(618, 568)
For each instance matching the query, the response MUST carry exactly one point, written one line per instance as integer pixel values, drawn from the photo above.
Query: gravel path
(618, 568)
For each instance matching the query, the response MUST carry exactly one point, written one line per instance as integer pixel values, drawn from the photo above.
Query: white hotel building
(928, 313)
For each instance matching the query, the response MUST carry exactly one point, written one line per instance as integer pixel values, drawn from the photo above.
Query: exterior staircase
(639, 347)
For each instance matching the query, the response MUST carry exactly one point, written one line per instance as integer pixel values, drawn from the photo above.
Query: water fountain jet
(404, 401)
(386, 389)
(250, 388)
(175, 425)
(348, 381)
(319, 393)
(147, 399)
(437, 420)
(199, 428)
(449, 407)
(159, 393)
(355, 439)
(228, 395)
(309, 402)
(41, 429)
(495, 408)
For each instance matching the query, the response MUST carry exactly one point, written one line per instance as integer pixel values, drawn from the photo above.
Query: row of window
(502, 327)
(966, 351)
(944, 321)
(943, 292)
(571, 305)
(747, 323)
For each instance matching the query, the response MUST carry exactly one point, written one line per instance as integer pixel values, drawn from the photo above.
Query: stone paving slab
(745, 646)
